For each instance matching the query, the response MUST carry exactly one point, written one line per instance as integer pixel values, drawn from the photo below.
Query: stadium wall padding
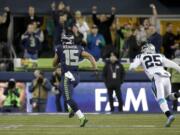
(137, 97)
(84, 76)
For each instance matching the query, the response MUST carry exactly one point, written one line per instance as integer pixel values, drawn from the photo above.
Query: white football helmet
(148, 48)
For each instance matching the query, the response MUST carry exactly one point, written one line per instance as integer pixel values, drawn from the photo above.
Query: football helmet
(67, 39)
(148, 48)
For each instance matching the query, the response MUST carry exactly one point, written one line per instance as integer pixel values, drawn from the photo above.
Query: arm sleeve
(135, 63)
(52, 80)
(5, 92)
(55, 19)
(110, 20)
(7, 19)
(170, 64)
(31, 88)
(95, 19)
(47, 85)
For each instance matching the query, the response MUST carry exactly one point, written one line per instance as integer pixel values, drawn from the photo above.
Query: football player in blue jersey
(68, 55)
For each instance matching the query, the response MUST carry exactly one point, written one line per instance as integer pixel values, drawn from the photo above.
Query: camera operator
(12, 97)
(55, 81)
(39, 89)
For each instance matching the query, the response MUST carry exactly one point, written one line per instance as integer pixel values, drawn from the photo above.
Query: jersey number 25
(152, 60)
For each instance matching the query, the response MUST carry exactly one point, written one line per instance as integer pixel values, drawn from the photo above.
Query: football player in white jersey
(153, 64)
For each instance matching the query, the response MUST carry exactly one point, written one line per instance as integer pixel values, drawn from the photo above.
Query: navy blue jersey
(69, 56)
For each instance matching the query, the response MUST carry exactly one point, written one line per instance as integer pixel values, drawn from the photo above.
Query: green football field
(101, 124)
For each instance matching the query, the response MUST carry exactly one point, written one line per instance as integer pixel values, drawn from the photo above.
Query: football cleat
(71, 114)
(83, 121)
(170, 121)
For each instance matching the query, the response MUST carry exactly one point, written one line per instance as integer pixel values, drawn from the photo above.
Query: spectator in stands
(81, 24)
(11, 102)
(31, 18)
(38, 31)
(70, 16)
(141, 32)
(39, 89)
(78, 36)
(60, 27)
(44, 48)
(114, 74)
(6, 63)
(119, 39)
(131, 48)
(31, 43)
(59, 11)
(95, 42)
(63, 20)
(4, 25)
(55, 81)
(154, 38)
(103, 23)
(169, 41)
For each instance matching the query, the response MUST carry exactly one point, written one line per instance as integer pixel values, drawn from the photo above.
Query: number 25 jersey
(69, 56)
(152, 64)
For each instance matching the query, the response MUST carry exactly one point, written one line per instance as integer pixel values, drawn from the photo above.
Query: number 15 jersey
(69, 56)
(152, 64)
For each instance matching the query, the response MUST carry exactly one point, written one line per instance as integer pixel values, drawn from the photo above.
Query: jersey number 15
(71, 57)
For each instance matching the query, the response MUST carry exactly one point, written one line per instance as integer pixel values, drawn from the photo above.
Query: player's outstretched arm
(55, 60)
(88, 56)
(171, 64)
(135, 64)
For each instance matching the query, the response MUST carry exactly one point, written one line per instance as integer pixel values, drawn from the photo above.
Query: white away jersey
(152, 64)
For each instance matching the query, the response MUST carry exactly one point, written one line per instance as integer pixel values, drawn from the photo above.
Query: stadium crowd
(39, 35)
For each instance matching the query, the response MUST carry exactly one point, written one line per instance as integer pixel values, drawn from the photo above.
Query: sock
(79, 114)
(168, 113)
(69, 108)
(163, 105)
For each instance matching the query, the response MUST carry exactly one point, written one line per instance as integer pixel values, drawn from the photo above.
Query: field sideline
(100, 124)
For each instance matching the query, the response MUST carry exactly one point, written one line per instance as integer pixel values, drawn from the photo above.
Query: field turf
(101, 124)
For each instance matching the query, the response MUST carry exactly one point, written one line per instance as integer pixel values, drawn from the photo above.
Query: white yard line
(3, 127)
(34, 114)
(10, 126)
